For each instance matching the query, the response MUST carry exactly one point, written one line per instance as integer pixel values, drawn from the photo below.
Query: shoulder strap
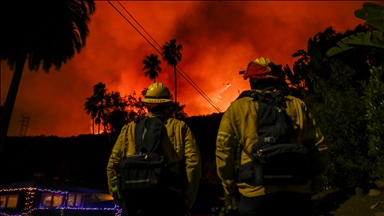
(249, 93)
(140, 130)
(260, 96)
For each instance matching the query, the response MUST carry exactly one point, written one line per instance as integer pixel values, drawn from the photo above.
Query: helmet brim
(156, 100)
(257, 71)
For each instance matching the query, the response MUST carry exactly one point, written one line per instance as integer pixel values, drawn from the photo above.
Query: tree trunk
(11, 99)
(174, 72)
(93, 126)
(175, 83)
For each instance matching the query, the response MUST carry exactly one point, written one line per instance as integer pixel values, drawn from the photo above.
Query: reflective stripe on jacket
(180, 145)
(238, 126)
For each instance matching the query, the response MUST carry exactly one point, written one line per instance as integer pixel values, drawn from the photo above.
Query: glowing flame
(96, 128)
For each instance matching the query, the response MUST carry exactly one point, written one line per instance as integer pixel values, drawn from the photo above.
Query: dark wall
(80, 160)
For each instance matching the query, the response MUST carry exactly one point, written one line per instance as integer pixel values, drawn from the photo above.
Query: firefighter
(238, 127)
(183, 158)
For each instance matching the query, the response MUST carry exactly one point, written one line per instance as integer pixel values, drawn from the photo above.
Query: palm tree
(100, 96)
(91, 109)
(172, 55)
(46, 33)
(152, 66)
(96, 104)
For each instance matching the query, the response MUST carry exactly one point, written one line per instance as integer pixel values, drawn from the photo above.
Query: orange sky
(218, 38)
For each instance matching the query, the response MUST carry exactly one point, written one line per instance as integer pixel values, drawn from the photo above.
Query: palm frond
(371, 38)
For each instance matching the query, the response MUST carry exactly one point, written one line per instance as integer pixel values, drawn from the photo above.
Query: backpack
(275, 160)
(145, 168)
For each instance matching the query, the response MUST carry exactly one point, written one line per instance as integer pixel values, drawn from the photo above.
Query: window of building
(51, 200)
(46, 199)
(3, 201)
(75, 200)
(57, 200)
(9, 201)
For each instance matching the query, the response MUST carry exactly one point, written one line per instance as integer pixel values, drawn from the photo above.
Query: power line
(132, 25)
(181, 72)
(138, 23)
(185, 76)
(198, 89)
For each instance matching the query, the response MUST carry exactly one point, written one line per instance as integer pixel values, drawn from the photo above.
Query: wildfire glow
(219, 38)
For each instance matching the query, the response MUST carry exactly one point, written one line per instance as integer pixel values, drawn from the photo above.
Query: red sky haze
(219, 38)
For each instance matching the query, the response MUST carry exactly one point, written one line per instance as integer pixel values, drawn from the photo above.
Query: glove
(116, 193)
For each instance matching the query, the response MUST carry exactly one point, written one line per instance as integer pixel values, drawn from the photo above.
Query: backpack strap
(140, 132)
(258, 96)
(148, 134)
(249, 93)
(246, 152)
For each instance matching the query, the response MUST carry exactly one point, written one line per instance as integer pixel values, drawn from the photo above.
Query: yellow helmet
(157, 93)
(262, 68)
(262, 61)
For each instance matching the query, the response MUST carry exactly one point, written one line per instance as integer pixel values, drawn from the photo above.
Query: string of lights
(30, 198)
(180, 71)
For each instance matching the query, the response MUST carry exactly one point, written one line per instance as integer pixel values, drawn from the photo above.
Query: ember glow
(218, 38)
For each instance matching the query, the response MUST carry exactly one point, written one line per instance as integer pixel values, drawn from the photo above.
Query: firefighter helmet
(157, 93)
(262, 68)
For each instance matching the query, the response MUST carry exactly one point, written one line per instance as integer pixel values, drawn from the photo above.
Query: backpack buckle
(269, 139)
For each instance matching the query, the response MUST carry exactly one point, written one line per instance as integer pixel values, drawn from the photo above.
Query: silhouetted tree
(99, 98)
(91, 109)
(115, 114)
(116, 120)
(172, 55)
(135, 107)
(152, 66)
(314, 60)
(99, 102)
(111, 109)
(333, 90)
(114, 111)
(341, 85)
(46, 33)
(178, 110)
(373, 14)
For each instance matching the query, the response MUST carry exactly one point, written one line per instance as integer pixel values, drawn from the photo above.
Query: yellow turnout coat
(238, 127)
(179, 146)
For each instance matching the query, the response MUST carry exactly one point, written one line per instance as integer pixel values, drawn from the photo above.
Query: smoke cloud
(218, 37)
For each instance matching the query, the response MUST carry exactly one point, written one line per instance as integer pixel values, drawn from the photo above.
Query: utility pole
(24, 125)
